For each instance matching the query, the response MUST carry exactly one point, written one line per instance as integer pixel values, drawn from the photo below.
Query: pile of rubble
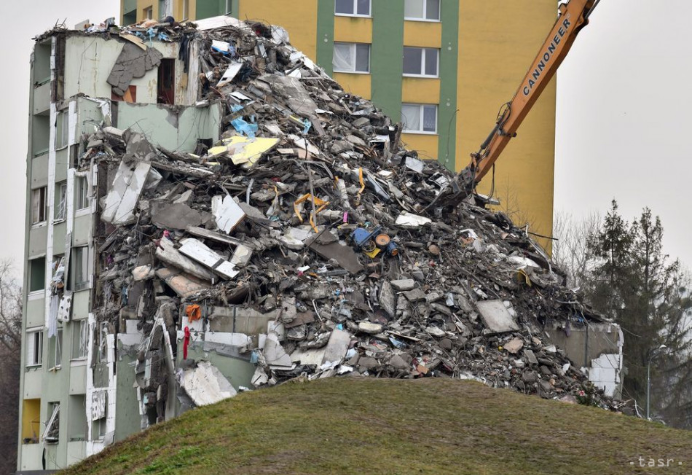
(316, 240)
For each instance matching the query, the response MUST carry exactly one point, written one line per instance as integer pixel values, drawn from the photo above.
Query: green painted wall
(387, 55)
(128, 420)
(325, 34)
(449, 54)
(210, 8)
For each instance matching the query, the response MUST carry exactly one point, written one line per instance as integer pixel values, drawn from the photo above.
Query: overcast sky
(624, 99)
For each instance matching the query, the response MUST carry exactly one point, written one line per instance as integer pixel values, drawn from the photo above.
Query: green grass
(428, 426)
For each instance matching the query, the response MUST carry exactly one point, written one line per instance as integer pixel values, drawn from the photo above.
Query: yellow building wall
(31, 415)
(426, 34)
(492, 62)
(299, 18)
(424, 144)
(352, 29)
(420, 90)
(357, 84)
(144, 4)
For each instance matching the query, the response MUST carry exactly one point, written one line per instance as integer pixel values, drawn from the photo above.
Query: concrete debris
(320, 247)
(206, 385)
(133, 62)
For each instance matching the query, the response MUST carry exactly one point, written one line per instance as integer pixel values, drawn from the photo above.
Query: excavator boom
(572, 18)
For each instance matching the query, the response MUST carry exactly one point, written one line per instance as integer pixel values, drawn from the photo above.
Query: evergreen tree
(635, 283)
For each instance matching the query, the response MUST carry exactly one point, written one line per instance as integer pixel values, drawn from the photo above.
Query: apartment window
(52, 433)
(186, 9)
(166, 82)
(62, 130)
(37, 274)
(80, 268)
(60, 209)
(149, 13)
(421, 62)
(422, 10)
(39, 206)
(77, 423)
(352, 7)
(419, 118)
(79, 340)
(57, 350)
(34, 347)
(351, 58)
(82, 193)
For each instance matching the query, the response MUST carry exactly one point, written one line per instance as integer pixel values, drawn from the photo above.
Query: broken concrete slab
(274, 353)
(404, 284)
(241, 256)
(168, 254)
(337, 346)
(514, 346)
(184, 286)
(226, 212)
(206, 385)
(387, 299)
(119, 204)
(174, 215)
(199, 252)
(496, 317)
(328, 246)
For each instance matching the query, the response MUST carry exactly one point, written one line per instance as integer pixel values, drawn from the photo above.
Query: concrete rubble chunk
(199, 252)
(119, 205)
(387, 299)
(226, 212)
(133, 62)
(514, 346)
(496, 317)
(206, 385)
(370, 328)
(405, 284)
(168, 254)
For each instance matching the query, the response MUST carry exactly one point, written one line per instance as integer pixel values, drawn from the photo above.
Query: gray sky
(623, 94)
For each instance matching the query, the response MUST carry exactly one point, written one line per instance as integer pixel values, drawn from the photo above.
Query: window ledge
(82, 212)
(55, 369)
(420, 76)
(37, 294)
(40, 224)
(76, 362)
(353, 72)
(61, 147)
(59, 221)
(417, 132)
(33, 367)
(352, 15)
(424, 20)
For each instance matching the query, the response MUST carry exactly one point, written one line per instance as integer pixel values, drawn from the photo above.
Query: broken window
(37, 274)
(352, 7)
(422, 10)
(103, 343)
(42, 53)
(166, 82)
(351, 58)
(80, 268)
(421, 62)
(62, 130)
(419, 118)
(52, 432)
(81, 193)
(34, 347)
(80, 340)
(60, 209)
(77, 422)
(39, 206)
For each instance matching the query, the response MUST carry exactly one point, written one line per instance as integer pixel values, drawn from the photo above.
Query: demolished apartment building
(211, 213)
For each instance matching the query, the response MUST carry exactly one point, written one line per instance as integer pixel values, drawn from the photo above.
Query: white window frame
(424, 55)
(81, 195)
(425, 9)
(355, 10)
(422, 118)
(57, 350)
(75, 261)
(60, 210)
(62, 132)
(35, 348)
(39, 206)
(353, 57)
(80, 345)
(149, 13)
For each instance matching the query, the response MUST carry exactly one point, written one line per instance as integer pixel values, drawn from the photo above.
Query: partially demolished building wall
(248, 223)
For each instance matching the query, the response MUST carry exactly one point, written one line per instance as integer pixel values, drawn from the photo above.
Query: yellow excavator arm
(573, 16)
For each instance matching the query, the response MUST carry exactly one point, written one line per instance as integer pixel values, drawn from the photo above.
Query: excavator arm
(573, 16)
